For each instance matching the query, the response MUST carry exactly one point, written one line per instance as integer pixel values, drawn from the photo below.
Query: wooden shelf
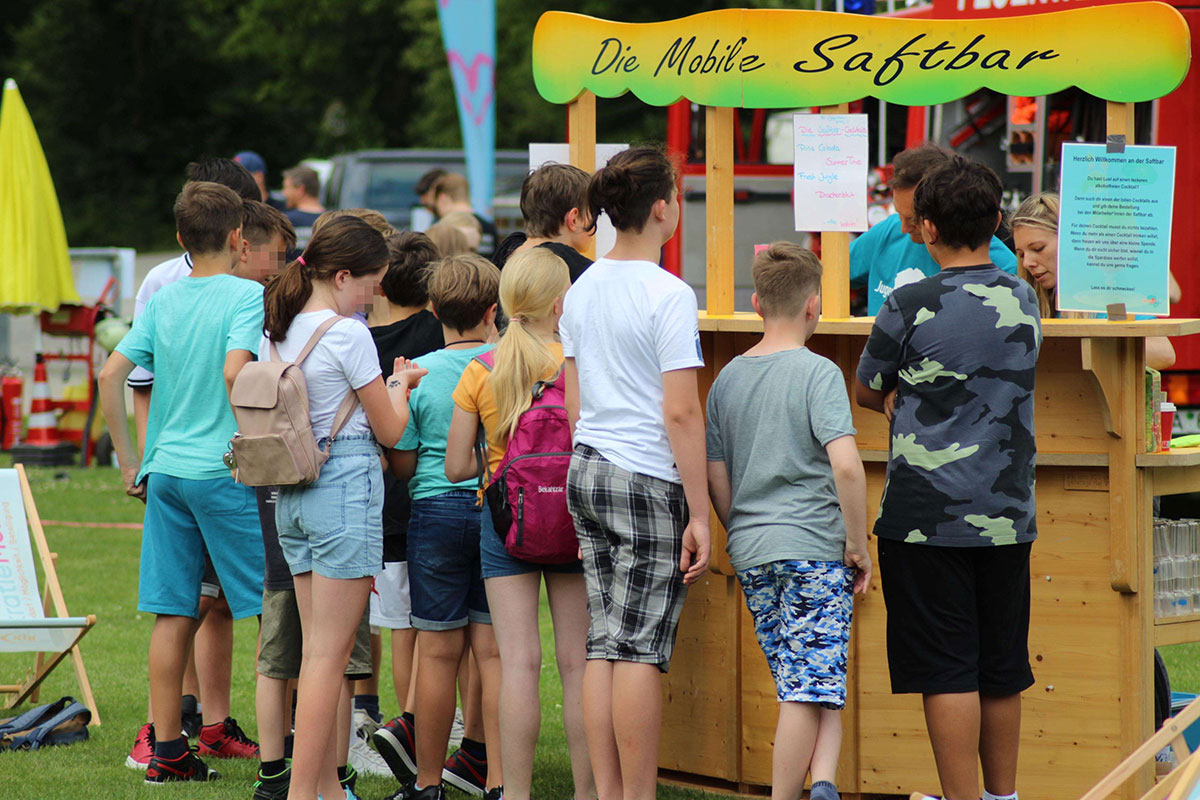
(1176, 457)
(746, 322)
(1177, 630)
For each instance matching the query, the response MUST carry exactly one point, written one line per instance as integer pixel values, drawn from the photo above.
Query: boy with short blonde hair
(449, 606)
(796, 516)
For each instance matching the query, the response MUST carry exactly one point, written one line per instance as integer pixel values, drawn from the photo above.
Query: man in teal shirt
(892, 254)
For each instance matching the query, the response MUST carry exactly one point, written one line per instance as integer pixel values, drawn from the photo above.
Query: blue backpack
(58, 723)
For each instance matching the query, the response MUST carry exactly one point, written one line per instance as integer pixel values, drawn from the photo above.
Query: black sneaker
(188, 767)
(496, 793)
(274, 787)
(350, 779)
(190, 716)
(409, 791)
(397, 743)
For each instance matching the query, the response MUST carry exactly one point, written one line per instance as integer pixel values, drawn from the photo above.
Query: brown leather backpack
(274, 445)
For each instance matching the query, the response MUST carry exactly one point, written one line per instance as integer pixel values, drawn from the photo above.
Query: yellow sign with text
(768, 58)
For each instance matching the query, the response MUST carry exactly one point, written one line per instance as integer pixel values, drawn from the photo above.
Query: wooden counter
(1092, 628)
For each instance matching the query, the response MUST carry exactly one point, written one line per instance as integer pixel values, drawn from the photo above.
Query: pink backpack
(527, 495)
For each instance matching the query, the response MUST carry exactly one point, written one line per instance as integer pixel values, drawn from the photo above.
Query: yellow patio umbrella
(35, 268)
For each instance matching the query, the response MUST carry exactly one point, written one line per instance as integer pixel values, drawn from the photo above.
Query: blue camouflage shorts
(802, 611)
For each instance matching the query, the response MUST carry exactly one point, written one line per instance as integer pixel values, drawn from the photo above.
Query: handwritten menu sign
(830, 173)
(1114, 230)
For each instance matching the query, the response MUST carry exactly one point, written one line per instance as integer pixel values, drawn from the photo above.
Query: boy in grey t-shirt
(788, 485)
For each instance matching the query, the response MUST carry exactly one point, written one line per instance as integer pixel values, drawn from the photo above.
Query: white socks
(989, 796)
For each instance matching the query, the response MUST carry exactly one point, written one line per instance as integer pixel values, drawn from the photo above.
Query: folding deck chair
(24, 624)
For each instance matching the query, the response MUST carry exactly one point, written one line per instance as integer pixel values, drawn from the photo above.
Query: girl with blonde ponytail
(532, 287)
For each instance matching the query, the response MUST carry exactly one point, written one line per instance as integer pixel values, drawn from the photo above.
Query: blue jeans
(334, 526)
(443, 562)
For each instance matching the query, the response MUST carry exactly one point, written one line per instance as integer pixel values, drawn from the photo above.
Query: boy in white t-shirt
(637, 486)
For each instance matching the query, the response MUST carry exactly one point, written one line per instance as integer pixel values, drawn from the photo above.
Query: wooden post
(1129, 520)
(718, 207)
(835, 258)
(581, 141)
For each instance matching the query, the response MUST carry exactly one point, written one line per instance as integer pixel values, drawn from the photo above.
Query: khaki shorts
(280, 639)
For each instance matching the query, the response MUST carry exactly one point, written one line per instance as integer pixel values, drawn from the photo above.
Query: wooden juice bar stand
(1092, 627)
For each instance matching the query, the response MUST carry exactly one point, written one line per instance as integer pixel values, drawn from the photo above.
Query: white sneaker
(456, 730)
(362, 724)
(366, 760)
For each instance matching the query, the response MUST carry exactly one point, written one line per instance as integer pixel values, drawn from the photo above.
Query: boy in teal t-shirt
(194, 335)
(444, 576)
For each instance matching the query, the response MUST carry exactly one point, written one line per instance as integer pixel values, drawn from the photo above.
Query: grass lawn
(98, 568)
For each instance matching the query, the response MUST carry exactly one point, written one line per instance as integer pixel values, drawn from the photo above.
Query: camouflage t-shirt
(962, 347)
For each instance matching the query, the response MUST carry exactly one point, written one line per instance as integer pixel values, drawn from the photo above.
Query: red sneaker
(226, 740)
(188, 767)
(143, 748)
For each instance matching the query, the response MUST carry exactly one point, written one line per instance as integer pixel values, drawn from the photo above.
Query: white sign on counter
(830, 173)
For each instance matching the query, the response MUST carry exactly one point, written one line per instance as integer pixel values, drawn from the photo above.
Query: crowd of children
(420, 521)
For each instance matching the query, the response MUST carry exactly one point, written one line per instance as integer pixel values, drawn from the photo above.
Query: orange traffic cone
(42, 445)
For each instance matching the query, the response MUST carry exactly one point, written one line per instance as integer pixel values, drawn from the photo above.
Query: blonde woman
(532, 286)
(1035, 236)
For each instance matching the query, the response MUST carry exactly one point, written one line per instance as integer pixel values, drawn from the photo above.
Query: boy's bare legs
(470, 692)
(274, 716)
(330, 611)
(403, 642)
(598, 722)
(568, 608)
(440, 653)
(953, 721)
(513, 601)
(999, 741)
(636, 719)
(828, 747)
(169, 644)
(214, 661)
(796, 736)
(486, 666)
(345, 719)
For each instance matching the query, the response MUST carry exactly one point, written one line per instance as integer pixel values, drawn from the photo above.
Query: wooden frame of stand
(1092, 630)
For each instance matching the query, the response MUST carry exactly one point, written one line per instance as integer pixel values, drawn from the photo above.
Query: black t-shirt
(576, 262)
(302, 219)
(489, 237)
(411, 337)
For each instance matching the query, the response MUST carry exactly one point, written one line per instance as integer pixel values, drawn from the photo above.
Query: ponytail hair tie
(303, 263)
(517, 318)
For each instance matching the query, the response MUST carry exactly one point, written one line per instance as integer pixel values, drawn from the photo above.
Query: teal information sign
(1114, 230)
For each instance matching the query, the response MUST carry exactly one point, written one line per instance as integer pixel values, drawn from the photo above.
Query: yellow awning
(35, 268)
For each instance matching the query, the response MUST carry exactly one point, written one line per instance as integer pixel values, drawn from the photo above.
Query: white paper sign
(830, 173)
(548, 153)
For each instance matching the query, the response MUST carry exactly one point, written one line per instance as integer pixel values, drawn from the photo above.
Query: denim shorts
(498, 563)
(444, 579)
(334, 527)
(183, 518)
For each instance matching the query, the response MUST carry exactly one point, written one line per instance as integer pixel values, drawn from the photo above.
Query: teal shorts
(183, 518)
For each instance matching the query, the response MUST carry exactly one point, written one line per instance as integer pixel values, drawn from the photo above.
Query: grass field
(98, 568)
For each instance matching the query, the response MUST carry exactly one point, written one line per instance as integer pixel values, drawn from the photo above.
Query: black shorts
(957, 618)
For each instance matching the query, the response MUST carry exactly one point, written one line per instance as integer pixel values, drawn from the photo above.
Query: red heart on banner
(478, 98)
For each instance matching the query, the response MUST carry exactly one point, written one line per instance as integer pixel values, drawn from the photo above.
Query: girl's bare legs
(568, 609)
(513, 601)
(487, 666)
(330, 611)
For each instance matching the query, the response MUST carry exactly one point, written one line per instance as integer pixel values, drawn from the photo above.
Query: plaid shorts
(630, 529)
(802, 612)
